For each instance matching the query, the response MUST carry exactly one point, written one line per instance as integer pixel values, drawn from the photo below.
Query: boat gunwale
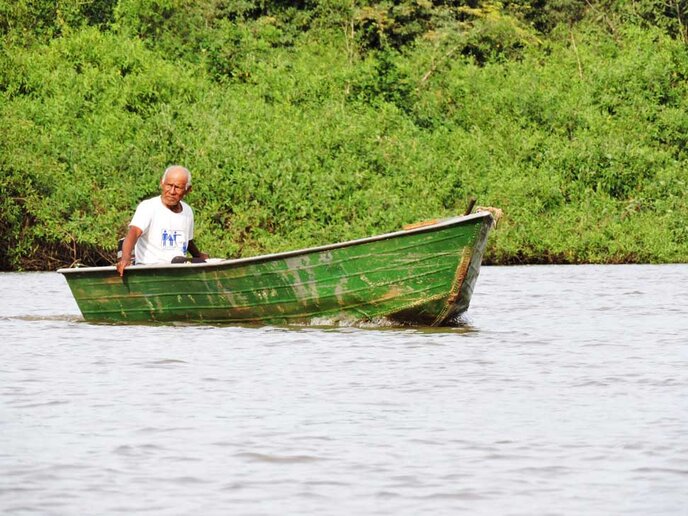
(448, 222)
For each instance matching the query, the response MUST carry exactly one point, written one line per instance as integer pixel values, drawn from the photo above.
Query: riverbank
(302, 128)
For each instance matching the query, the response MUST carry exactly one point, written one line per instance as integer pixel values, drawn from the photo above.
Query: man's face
(173, 188)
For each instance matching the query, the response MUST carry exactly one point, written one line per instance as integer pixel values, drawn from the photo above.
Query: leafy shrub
(301, 130)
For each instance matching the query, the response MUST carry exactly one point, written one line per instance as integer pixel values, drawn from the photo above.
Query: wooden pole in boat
(469, 208)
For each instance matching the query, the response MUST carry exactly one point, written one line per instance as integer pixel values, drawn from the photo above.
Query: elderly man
(162, 227)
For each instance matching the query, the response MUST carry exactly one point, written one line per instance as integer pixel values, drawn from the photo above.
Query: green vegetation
(309, 122)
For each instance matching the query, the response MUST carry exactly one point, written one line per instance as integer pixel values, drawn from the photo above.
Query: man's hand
(194, 251)
(127, 248)
(121, 265)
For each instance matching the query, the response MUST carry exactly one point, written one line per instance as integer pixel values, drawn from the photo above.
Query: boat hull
(420, 276)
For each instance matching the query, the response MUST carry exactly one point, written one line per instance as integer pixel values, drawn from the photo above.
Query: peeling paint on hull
(419, 276)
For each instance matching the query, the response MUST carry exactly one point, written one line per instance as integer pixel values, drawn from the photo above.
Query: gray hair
(186, 171)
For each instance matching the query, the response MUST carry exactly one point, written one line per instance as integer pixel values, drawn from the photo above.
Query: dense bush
(313, 122)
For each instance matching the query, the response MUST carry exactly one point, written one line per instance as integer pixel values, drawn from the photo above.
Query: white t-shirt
(165, 234)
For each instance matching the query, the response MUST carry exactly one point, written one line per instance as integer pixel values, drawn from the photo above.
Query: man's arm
(193, 250)
(127, 247)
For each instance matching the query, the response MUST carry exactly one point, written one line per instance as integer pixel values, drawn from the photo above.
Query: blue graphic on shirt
(173, 239)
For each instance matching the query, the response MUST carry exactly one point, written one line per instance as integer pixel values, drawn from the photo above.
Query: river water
(565, 392)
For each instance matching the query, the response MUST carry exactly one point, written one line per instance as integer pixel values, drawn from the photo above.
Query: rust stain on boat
(420, 224)
(455, 291)
(392, 293)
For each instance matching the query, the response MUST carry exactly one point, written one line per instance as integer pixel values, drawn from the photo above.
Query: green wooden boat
(424, 275)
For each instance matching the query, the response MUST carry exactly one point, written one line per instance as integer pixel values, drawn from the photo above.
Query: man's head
(175, 184)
